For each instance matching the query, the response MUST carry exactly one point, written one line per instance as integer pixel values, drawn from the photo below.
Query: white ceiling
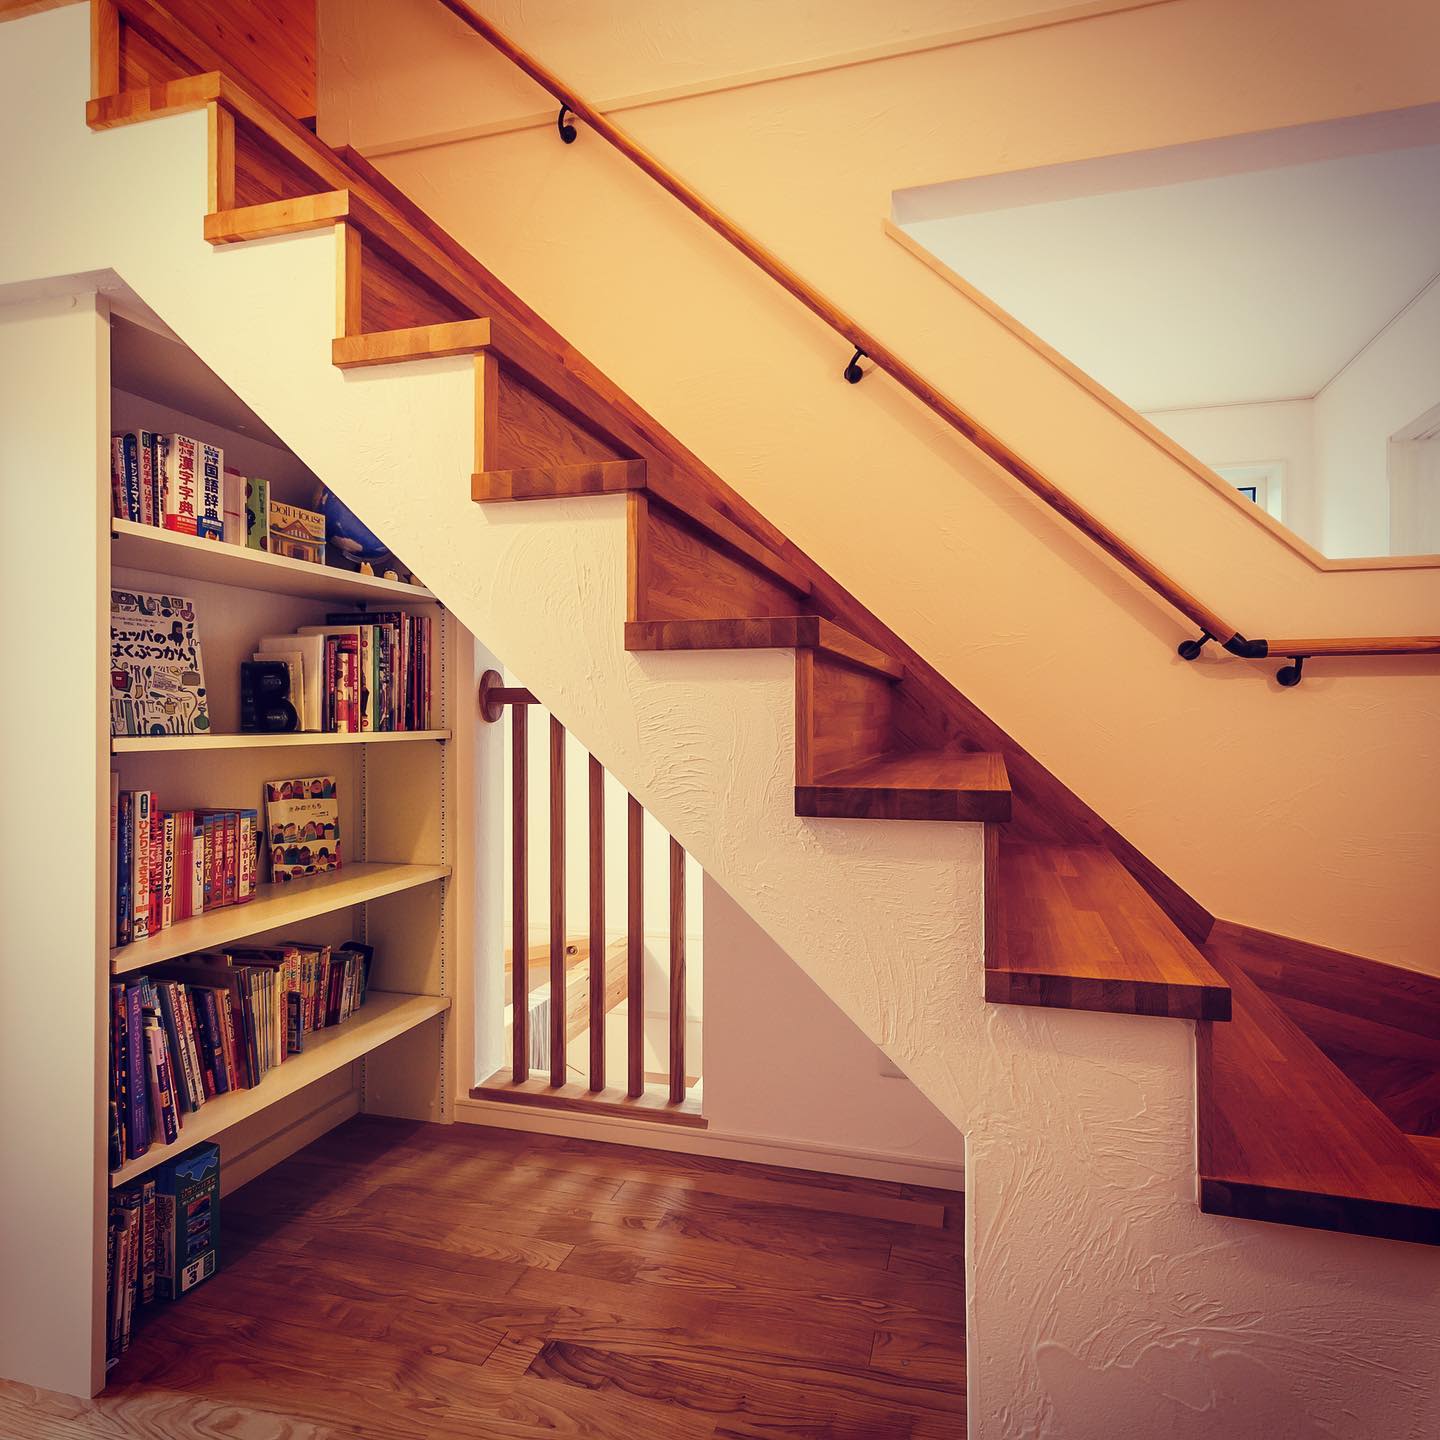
(1215, 288)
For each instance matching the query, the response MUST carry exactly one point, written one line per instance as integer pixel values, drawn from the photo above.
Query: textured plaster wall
(783, 1063)
(1316, 812)
(1102, 1304)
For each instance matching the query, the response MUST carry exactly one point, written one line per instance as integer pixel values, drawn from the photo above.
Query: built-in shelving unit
(401, 800)
(287, 740)
(275, 905)
(383, 1017)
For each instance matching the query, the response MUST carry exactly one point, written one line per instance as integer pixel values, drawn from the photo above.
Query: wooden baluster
(520, 914)
(557, 903)
(599, 961)
(635, 941)
(677, 972)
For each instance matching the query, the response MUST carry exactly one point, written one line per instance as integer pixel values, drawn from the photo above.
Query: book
(119, 495)
(130, 463)
(180, 467)
(145, 455)
(355, 691)
(232, 506)
(188, 1220)
(257, 513)
(302, 826)
(114, 858)
(297, 532)
(137, 1074)
(157, 679)
(209, 500)
(140, 864)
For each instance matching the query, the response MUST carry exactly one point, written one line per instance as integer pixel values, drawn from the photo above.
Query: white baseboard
(237, 1169)
(758, 1149)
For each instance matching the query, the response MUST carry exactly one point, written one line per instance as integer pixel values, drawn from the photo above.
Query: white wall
(1244, 434)
(784, 1064)
(54, 583)
(1393, 381)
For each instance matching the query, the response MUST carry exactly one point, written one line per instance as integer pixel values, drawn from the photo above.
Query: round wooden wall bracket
(492, 707)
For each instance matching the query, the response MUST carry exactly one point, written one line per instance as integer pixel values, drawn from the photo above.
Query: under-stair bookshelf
(404, 800)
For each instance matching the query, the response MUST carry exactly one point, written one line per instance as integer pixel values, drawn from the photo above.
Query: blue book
(138, 1070)
(132, 477)
(125, 851)
(214, 1036)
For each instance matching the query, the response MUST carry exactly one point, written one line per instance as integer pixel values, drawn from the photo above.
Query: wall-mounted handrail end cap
(1190, 649)
(491, 706)
(1289, 675)
(1237, 644)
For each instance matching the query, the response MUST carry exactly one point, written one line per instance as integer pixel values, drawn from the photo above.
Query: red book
(184, 863)
(157, 868)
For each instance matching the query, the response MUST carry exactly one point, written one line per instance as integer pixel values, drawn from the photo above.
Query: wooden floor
(400, 1280)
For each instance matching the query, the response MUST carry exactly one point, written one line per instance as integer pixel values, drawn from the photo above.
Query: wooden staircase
(1299, 1121)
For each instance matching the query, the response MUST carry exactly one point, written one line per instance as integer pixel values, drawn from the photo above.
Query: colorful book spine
(140, 866)
(145, 476)
(150, 441)
(210, 498)
(180, 463)
(138, 1117)
(157, 866)
(124, 868)
(232, 856)
(147, 1241)
(214, 1037)
(134, 508)
(257, 513)
(245, 879)
(197, 859)
(119, 501)
(120, 1075)
(167, 872)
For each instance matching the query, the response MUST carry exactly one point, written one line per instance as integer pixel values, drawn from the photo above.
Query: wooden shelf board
(275, 905)
(383, 1016)
(1069, 927)
(192, 744)
(144, 547)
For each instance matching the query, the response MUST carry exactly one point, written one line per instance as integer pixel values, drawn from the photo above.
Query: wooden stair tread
(1070, 927)
(616, 477)
(770, 632)
(947, 784)
(1284, 1136)
(550, 482)
(417, 342)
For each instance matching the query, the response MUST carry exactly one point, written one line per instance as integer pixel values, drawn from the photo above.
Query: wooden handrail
(1211, 624)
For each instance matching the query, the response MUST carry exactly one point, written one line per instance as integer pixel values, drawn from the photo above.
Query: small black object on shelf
(265, 704)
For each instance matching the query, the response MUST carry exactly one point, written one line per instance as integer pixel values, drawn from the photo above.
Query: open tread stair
(912, 785)
(1076, 917)
(1284, 1136)
(1069, 927)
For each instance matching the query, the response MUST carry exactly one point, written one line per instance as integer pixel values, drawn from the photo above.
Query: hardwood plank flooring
(395, 1279)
